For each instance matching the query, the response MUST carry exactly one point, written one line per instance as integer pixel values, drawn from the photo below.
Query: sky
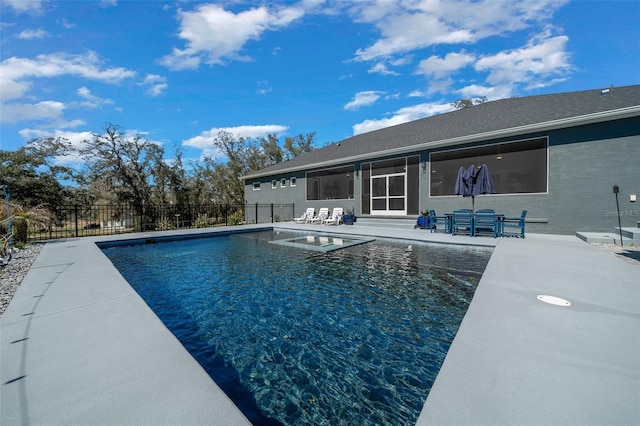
(180, 72)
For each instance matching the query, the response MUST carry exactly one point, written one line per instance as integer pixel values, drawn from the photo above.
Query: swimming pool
(352, 336)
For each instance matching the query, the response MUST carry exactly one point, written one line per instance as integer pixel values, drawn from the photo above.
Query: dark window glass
(515, 167)
(413, 185)
(387, 167)
(330, 184)
(396, 186)
(366, 188)
(379, 204)
(396, 203)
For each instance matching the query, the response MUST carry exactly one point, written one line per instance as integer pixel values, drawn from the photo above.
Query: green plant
(276, 218)
(203, 221)
(236, 218)
(351, 212)
(164, 224)
(424, 213)
(22, 219)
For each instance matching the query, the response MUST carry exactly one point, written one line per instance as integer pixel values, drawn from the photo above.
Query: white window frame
(256, 186)
(283, 183)
(274, 184)
(293, 181)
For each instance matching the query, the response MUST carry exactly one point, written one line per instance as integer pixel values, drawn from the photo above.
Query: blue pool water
(349, 337)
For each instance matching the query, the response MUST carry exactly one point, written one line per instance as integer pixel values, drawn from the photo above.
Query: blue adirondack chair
(515, 225)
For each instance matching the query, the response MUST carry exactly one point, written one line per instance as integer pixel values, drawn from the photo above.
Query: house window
(330, 184)
(283, 183)
(293, 181)
(515, 167)
(274, 184)
(256, 186)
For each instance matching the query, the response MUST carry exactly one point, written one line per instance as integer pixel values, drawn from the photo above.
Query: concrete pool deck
(79, 346)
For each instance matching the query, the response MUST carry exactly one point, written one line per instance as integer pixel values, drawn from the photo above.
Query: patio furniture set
(322, 218)
(482, 222)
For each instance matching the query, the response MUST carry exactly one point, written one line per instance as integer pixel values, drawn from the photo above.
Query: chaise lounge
(306, 216)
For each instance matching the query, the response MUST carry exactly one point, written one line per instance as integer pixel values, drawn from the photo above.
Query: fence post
(226, 215)
(75, 212)
(271, 212)
(256, 213)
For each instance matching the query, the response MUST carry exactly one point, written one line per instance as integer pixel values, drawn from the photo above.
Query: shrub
(203, 221)
(164, 224)
(236, 218)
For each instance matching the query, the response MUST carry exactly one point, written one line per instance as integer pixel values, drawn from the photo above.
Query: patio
(77, 349)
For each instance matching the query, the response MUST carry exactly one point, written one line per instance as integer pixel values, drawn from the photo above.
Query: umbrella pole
(473, 204)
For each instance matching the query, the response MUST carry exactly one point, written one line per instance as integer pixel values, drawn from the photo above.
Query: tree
(33, 175)
(468, 103)
(227, 177)
(299, 145)
(271, 152)
(243, 157)
(130, 168)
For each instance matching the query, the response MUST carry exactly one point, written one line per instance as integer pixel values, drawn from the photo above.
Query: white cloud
(16, 112)
(16, 75)
(108, 3)
(32, 34)
(362, 99)
(10, 89)
(542, 57)
(75, 138)
(92, 101)
(439, 68)
(475, 91)
(204, 140)
(411, 25)
(66, 24)
(156, 85)
(381, 68)
(21, 6)
(403, 115)
(87, 66)
(214, 35)
(418, 94)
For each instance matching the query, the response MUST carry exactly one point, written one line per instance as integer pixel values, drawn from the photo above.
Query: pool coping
(79, 346)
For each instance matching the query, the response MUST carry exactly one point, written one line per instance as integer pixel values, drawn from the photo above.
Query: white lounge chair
(322, 215)
(306, 216)
(336, 217)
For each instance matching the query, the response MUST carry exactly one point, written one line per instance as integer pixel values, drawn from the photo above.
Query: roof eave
(598, 117)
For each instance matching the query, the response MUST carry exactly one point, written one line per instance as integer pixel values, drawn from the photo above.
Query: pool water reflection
(353, 336)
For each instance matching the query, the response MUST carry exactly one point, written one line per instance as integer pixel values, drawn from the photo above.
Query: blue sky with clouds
(179, 72)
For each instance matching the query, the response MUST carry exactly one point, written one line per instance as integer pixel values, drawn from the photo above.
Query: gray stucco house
(557, 156)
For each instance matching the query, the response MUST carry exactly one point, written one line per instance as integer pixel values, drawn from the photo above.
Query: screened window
(330, 184)
(283, 183)
(515, 167)
(293, 181)
(256, 186)
(274, 184)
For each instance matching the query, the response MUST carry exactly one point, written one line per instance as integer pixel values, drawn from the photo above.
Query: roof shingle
(489, 117)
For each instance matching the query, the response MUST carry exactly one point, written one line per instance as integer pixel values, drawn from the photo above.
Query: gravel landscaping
(11, 275)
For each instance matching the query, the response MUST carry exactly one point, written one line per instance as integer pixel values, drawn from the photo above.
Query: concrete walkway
(79, 346)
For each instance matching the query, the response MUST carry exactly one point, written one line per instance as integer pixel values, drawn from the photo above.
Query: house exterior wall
(583, 165)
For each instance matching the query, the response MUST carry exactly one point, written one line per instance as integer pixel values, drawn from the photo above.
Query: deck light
(553, 300)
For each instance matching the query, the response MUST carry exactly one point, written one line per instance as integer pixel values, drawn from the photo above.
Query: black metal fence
(90, 220)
